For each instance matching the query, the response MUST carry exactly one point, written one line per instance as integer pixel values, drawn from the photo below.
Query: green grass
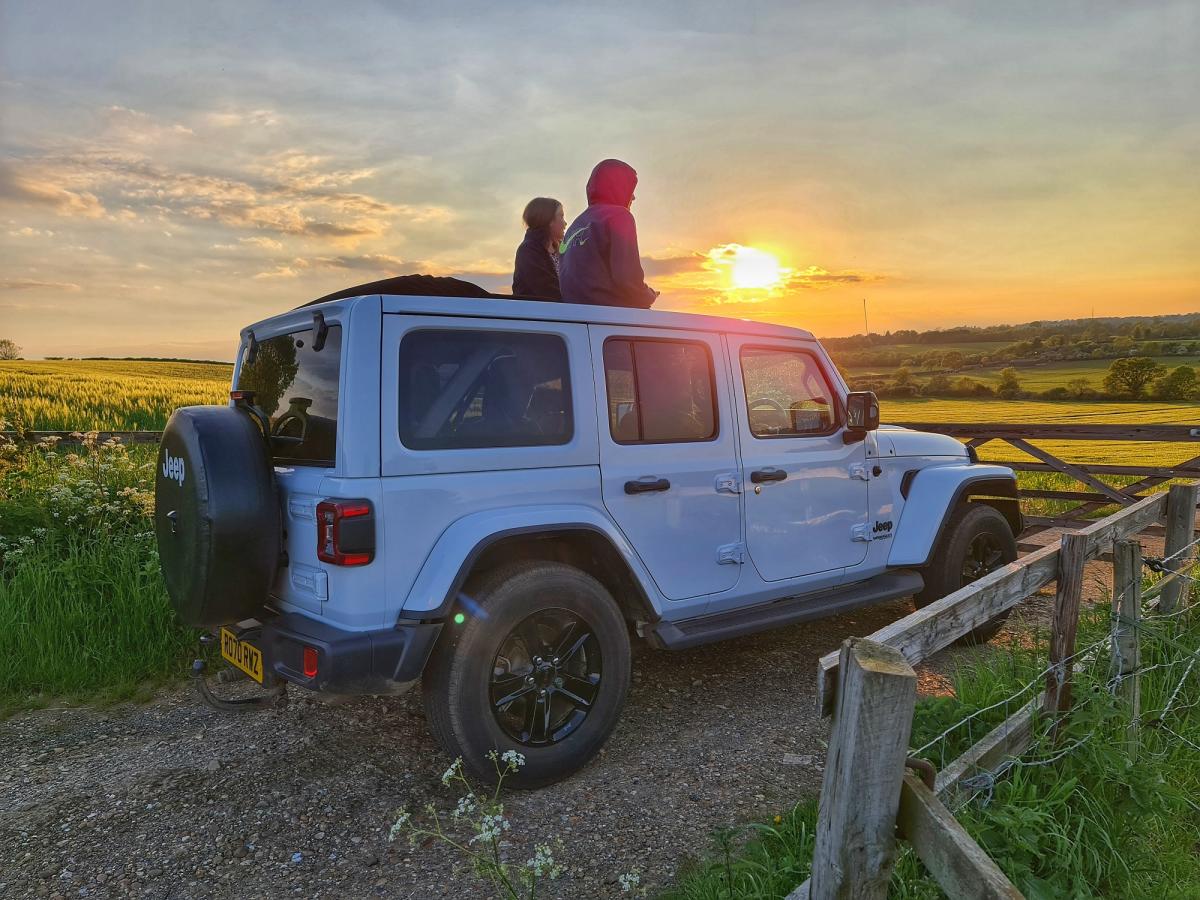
(83, 609)
(86, 617)
(1099, 820)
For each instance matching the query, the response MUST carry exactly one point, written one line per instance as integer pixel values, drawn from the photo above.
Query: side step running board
(787, 611)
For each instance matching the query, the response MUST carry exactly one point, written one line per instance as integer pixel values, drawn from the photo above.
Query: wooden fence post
(856, 829)
(1181, 529)
(1126, 615)
(1065, 621)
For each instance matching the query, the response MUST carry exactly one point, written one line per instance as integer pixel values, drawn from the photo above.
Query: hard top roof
(428, 295)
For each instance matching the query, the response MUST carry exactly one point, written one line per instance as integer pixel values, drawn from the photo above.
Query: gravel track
(173, 799)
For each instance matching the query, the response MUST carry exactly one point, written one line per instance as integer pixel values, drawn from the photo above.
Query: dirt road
(173, 799)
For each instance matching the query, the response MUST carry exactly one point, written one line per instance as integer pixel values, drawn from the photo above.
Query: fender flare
(449, 563)
(933, 495)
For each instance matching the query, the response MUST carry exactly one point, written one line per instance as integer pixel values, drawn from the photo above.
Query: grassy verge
(1088, 816)
(83, 610)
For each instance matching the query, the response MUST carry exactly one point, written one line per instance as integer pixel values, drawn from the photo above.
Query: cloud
(32, 190)
(816, 277)
(671, 265)
(291, 195)
(370, 262)
(255, 118)
(30, 232)
(132, 126)
(33, 284)
(265, 242)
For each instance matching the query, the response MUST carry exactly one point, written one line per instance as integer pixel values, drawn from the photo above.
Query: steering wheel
(770, 404)
(297, 412)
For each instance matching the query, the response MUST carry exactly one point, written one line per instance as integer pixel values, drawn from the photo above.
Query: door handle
(760, 476)
(647, 485)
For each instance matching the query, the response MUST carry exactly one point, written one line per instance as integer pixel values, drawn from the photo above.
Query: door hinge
(728, 483)
(859, 470)
(731, 554)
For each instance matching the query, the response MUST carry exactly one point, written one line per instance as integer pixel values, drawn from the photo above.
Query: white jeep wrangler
(493, 496)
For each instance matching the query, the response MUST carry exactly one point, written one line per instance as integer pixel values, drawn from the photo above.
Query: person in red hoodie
(599, 261)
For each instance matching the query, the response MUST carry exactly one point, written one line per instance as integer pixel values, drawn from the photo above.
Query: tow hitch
(271, 696)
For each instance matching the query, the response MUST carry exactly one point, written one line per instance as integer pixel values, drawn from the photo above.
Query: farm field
(1046, 412)
(1052, 375)
(116, 395)
(1036, 377)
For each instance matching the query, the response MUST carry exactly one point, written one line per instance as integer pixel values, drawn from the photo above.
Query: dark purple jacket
(534, 272)
(599, 260)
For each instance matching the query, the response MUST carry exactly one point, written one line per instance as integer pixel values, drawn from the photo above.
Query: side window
(786, 393)
(463, 389)
(659, 391)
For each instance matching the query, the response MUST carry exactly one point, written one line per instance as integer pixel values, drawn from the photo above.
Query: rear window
(297, 387)
(466, 388)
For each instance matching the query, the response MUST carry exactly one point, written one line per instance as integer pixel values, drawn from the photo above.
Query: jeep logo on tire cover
(173, 468)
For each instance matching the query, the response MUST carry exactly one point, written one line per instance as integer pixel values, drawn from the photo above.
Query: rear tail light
(310, 662)
(346, 532)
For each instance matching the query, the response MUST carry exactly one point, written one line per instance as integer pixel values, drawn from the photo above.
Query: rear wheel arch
(583, 547)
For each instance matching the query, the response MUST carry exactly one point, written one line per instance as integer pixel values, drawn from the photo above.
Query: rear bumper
(348, 662)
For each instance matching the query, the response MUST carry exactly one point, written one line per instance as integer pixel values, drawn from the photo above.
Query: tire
(530, 611)
(216, 515)
(972, 527)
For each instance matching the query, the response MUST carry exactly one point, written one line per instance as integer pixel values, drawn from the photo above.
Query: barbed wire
(1195, 542)
(1058, 669)
(1152, 626)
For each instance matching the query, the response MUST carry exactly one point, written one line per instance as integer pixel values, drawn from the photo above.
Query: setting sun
(747, 268)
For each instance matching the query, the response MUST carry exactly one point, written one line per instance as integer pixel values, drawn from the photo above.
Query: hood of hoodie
(612, 181)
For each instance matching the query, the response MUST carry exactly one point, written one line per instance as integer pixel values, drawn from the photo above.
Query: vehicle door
(668, 454)
(806, 487)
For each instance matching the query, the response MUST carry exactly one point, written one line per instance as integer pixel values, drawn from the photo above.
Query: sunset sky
(172, 171)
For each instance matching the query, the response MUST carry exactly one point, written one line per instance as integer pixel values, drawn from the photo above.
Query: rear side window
(659, 391)
(786, 393)
(297, 387)
(464, 388)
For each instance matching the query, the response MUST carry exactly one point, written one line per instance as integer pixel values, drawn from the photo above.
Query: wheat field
(104, 394)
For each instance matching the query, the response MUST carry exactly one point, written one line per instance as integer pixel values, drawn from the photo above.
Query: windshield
(297, 388)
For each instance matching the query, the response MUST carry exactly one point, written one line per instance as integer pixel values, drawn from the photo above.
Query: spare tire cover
(216, 515)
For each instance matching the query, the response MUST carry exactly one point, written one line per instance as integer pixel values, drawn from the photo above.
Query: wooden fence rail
(845, 868)
(1100, 494)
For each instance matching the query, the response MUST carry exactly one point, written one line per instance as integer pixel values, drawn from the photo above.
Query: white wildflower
(542, 864)
(491, 826)
(398, 826)
(452, 772)
(466, 806)
(629, 881)
(512, 759)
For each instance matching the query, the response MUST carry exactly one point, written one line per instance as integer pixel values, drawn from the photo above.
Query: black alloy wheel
(545, 677)
(540, 665)
(975, 541)
(984, 555)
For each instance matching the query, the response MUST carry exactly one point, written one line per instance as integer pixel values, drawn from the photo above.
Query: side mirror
(862, 414)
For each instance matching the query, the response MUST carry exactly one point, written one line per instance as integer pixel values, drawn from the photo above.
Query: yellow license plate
(242, 654)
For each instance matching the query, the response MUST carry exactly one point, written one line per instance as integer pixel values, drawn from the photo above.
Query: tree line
(1128, 378)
